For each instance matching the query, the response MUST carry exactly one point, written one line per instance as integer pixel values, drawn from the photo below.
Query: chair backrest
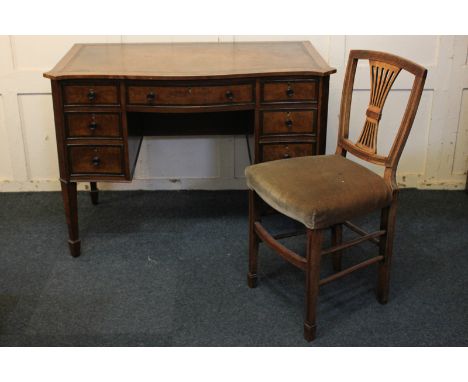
(384, 69)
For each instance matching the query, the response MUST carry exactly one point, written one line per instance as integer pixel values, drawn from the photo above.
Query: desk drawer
(96, 125)
(289, 121)
(290, 91)
(96, 159)
(189, 95)
(274, 151)
(91, 94)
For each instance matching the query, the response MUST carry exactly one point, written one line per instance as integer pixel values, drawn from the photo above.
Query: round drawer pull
(229, 95)
(96, 161)
(289, 123)
(91, 95)
(289, 91)
(150, 97)
(93, 125)
(286, 156)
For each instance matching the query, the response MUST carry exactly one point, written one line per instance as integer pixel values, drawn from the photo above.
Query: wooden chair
(326, 191)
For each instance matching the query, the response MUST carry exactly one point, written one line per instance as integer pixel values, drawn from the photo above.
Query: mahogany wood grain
(290, 91)
(90, 94)
(190, 95)
(96, 159)
(93, 125)
(286, 150)
(289, 121)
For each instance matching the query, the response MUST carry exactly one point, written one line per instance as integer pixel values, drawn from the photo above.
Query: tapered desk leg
(94, 193)
(70, 203)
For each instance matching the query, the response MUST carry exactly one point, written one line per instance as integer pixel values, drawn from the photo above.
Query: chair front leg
(254, 215)
(314, 250)
(387, 223)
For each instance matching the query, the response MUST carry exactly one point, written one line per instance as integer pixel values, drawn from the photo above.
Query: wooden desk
(108, 96)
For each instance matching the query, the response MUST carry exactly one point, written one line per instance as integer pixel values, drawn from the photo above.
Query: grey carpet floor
(169, 269)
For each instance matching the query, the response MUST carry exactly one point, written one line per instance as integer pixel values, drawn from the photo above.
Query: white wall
(436, 155)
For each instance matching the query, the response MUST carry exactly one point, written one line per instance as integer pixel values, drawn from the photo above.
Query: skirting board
(404, 181)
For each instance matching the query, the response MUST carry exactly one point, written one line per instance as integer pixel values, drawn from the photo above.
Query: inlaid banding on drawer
(95, 125)
(290, 91)
(87, 159)
(189, 95)
(274, 151)
(289, 122)
(90, 94)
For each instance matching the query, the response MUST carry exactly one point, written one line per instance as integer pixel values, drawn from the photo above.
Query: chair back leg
(254, 215)
(314, 253)
(387, 223)
(337, 239)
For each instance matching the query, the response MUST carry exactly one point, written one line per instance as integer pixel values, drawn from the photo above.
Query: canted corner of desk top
(324, 68)
(60, 69)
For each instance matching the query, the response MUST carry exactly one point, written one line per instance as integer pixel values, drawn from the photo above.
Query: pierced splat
(383, 76)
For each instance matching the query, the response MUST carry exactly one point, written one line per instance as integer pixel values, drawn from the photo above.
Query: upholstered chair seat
(319, 191)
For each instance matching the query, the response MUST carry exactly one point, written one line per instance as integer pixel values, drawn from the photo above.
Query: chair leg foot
(382, 300)
(75, 247)
(309, 332)
(382, 295)
(252, 280)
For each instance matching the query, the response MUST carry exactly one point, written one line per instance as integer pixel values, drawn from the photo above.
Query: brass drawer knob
(229, 95)
(289, 123)
(289, 91)
(150, 97)
(93, 125)
(91, 95)
(286, 156)
(96, 161)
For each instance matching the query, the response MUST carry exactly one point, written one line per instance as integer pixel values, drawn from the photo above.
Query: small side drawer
(96, 159)
(189, 95)
(290, 91)
(289, 121)
(92, 94)
(274, 151)
(93, 125)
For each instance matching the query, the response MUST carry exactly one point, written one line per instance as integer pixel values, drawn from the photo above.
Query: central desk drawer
(289, 121)
(189, 95)
(96, 125)
(86, 159)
